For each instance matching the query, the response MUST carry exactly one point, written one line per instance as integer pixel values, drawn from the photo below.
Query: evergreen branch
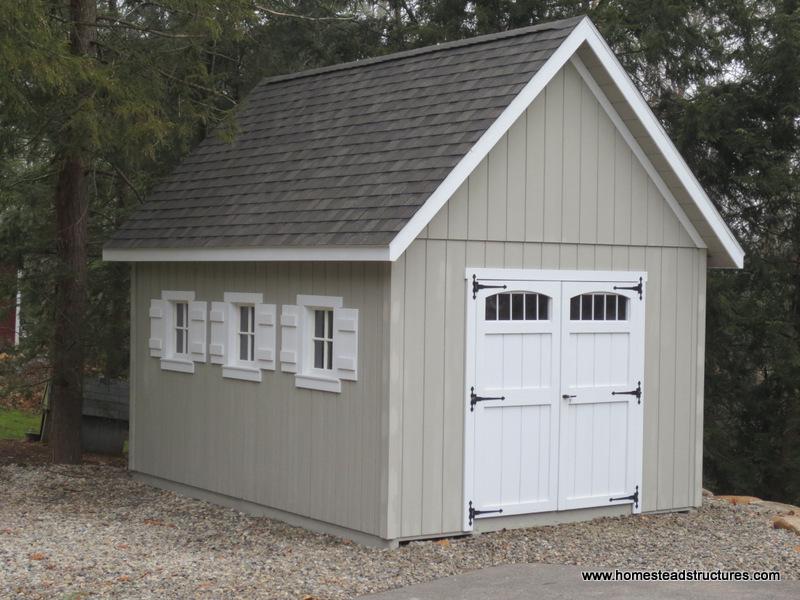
(198, 87)
(276, 13)
(121, 174)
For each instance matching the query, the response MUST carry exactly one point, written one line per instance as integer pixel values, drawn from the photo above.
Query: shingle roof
(343, 155)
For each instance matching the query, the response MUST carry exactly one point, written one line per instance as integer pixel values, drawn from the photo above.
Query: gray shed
(442, 291)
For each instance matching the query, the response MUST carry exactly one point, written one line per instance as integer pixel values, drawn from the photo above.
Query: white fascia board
(322, 253)
(637, 151)
(489, 139)
(662, 141)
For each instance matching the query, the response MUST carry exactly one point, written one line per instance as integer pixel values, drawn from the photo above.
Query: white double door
(554, 405)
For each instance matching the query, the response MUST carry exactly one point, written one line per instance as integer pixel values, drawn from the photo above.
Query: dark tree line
(99, 99)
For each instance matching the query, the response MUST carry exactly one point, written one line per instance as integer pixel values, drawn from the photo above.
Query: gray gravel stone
(93, 532)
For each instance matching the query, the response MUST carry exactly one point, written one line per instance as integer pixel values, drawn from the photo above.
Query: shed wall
(310, 453)
(562, 190)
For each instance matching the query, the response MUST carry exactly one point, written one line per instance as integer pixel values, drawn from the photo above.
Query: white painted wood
(600, 445)
(290, 338)
(553, 275)
(218, 345)
(198, 313)
(158, 331)
(514, 451)
(345, 343)
(265, 348)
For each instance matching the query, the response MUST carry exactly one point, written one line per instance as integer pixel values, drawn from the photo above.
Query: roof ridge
(481, 39)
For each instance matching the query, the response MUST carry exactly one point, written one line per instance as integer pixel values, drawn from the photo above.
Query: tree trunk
(71, 208)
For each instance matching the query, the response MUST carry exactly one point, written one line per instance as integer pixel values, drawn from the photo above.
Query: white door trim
(501, 274)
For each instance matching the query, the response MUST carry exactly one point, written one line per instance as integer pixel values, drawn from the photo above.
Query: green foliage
(14, 424)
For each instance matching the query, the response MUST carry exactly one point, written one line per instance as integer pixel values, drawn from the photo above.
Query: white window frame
(171, 360)
(308, 376)
(235, 367)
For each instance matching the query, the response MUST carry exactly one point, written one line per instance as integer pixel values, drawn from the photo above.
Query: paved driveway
(556, 582)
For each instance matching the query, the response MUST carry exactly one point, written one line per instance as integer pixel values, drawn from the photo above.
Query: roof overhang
(622, 101)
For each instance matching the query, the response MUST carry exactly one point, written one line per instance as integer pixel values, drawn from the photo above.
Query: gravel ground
(91, 531)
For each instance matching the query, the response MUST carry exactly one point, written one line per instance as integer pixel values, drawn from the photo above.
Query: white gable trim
(586, 32)
(664, 144)
(637, 150)
(488, 140)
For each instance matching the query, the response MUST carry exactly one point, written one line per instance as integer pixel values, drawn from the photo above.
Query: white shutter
(219, 332)
(345, 343)
(197, 330)
(265, 336)
(290, 338)
(158, 309)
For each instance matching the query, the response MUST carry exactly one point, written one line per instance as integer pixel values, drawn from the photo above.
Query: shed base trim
(259, 510)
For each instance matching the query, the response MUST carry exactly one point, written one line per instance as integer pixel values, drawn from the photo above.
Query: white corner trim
(653, 127)
(243, 298)
(323, 253)
(637, 151)
(176, 296)
(310, 301)
(488, 140)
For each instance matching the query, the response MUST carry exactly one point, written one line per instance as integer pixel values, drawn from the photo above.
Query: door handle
(567, 396)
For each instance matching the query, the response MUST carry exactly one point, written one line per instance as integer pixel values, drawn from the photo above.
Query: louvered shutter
(158, 332)
(197, 330)
(265, 336)
(219, 332)
(290, 337)
(345, 343)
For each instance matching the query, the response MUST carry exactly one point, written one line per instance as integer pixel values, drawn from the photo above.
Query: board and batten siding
(561, 190)
(311, 453)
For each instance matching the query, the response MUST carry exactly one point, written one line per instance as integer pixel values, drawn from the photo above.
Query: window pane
(575, 308)
(243, 353)
(586, 307)
(244, 318)
(544, 307)
(491, 308)
(622, 310)
(319, 354)
(179, 313)
(599, 308)
(517, 307)
(504, 312)
(611, 307)
(319, 323)
(330, 324)
(329, 346)
(251, 340)
(530, 307)
(179, 340)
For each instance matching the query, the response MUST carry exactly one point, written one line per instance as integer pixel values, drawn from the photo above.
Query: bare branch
(276, 13)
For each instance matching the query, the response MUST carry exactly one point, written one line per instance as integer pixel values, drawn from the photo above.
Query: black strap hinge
(634, 496)
(637, 392)
(636, 288)
(473, 399)
(474, 512)
(479, 286)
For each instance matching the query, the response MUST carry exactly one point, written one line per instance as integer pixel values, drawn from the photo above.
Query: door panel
(517, 359)
(602, 345)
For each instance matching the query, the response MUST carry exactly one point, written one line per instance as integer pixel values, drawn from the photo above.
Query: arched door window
(598, 306)
(517, 306)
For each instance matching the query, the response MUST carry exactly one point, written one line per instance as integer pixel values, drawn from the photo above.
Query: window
(517, 306)
(247, 333)
(181, 328)
(323, 339)
(598, 307)
(319, 342)
(243, 335)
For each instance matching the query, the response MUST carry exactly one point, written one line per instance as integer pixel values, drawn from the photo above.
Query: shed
(442, 291)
